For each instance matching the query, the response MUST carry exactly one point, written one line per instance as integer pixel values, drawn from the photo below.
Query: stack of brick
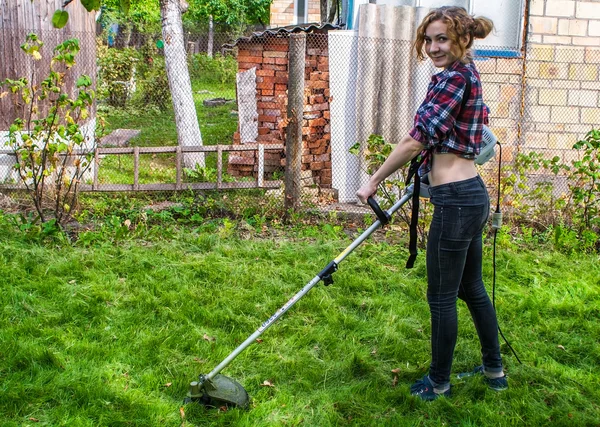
(269, 56)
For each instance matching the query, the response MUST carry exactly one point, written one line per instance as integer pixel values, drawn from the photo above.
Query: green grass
(112, 333)
(217, 125)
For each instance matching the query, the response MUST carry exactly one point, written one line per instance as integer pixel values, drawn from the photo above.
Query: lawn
(158, 129)
(111, 333)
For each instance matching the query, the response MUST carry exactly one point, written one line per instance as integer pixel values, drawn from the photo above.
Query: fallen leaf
(223, 408)
(395, 381)
(258, 340)
(127, 223)
(396, 371)
(561, 347)
(182, 412)
(168, 384)
(374, 351)
(35, 420)
(207, 338)
(197, 359)
(267, 384)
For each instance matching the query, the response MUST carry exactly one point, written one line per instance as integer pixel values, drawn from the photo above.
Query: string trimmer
(214, 389)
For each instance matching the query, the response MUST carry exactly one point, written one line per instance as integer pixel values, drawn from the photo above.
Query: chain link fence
(542, 99)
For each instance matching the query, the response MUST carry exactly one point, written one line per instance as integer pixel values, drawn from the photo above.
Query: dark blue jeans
(454, 252)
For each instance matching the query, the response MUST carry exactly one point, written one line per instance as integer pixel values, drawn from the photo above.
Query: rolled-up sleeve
(435, 118)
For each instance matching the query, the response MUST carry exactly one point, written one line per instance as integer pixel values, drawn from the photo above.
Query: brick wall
(561, 89)
(270, 58)
(282, 12)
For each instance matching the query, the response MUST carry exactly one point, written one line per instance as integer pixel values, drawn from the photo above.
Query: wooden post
(261, 166)
(219, 166)
(96, 166)
(295, 109)
(136, 168)
(178, 168)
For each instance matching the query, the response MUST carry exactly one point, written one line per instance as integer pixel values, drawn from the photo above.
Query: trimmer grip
(382, 215)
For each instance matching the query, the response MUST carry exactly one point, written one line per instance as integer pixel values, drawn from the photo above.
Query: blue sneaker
(496, 384)
(424, 389)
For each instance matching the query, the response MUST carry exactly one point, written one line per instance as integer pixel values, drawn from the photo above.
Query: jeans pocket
(472, 219)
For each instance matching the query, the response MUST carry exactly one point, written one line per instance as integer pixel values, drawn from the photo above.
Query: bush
(220, 69)
(116, 74)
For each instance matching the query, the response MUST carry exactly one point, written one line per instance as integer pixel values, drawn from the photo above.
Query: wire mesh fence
(541, 99)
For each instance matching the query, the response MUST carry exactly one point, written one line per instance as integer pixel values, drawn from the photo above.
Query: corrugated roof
(306, 28)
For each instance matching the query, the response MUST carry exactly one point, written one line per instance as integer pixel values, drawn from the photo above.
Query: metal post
(295, 109)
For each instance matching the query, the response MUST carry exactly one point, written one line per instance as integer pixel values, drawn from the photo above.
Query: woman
(448, 132)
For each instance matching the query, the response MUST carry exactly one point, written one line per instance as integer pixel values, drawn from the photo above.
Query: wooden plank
(173, 149)
(96, 167)
(178, 168)
(219, 166)
(107, 188)
(136, 168)
(261, 165)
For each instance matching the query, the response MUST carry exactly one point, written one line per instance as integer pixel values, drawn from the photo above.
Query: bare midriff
(448, 167)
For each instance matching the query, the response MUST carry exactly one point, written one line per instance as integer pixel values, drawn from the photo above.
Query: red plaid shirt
(440, 125)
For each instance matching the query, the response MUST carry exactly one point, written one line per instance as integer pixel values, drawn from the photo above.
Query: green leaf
(60, 18)
(125, 4)
(91, 5)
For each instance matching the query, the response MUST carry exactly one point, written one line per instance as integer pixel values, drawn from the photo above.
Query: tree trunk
(186, 119)
(324, 10)
(209, 49)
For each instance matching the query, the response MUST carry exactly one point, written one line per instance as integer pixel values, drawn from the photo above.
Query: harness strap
(413, 171)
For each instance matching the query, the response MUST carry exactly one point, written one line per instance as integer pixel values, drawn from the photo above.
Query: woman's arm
(404, 151)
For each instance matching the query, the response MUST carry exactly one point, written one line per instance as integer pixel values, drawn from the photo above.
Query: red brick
(251, 59)
(316, 166)
(273, 112)
(264, 138)
(264, 73)
(267, 92)
(320, 84)
(280, 87)
(264, 85)
(281, 61)
(263, 131)
(274, 54)
(322, 157)
(238, 160)
(317, 122)
(274, 67)
(267, 105)
(263, 118)
(245, 66)
(327, 115)
(307, 159)
(323, 67)
(283, 80)
(278, 48)
(321, 150)
(325, 76)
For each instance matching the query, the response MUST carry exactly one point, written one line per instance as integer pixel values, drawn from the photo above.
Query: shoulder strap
(467, 93)
(414, 172)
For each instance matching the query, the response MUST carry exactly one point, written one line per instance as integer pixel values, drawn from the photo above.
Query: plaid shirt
(440, 125)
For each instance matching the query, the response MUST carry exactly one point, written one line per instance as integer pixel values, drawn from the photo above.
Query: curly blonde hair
(463, 29)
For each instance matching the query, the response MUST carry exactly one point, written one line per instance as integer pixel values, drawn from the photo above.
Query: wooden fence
(179, 183)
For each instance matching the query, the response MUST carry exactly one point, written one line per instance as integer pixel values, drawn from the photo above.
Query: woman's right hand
(366, 191)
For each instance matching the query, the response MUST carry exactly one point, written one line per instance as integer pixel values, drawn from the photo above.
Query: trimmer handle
(382, 215)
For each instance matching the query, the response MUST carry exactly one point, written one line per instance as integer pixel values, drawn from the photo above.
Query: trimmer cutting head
(218, 391)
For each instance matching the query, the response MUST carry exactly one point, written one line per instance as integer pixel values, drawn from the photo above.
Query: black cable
(494, 257)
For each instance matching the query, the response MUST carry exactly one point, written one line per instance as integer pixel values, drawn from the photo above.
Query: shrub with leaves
(52, 153)
(116, 74)
(585, 183)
